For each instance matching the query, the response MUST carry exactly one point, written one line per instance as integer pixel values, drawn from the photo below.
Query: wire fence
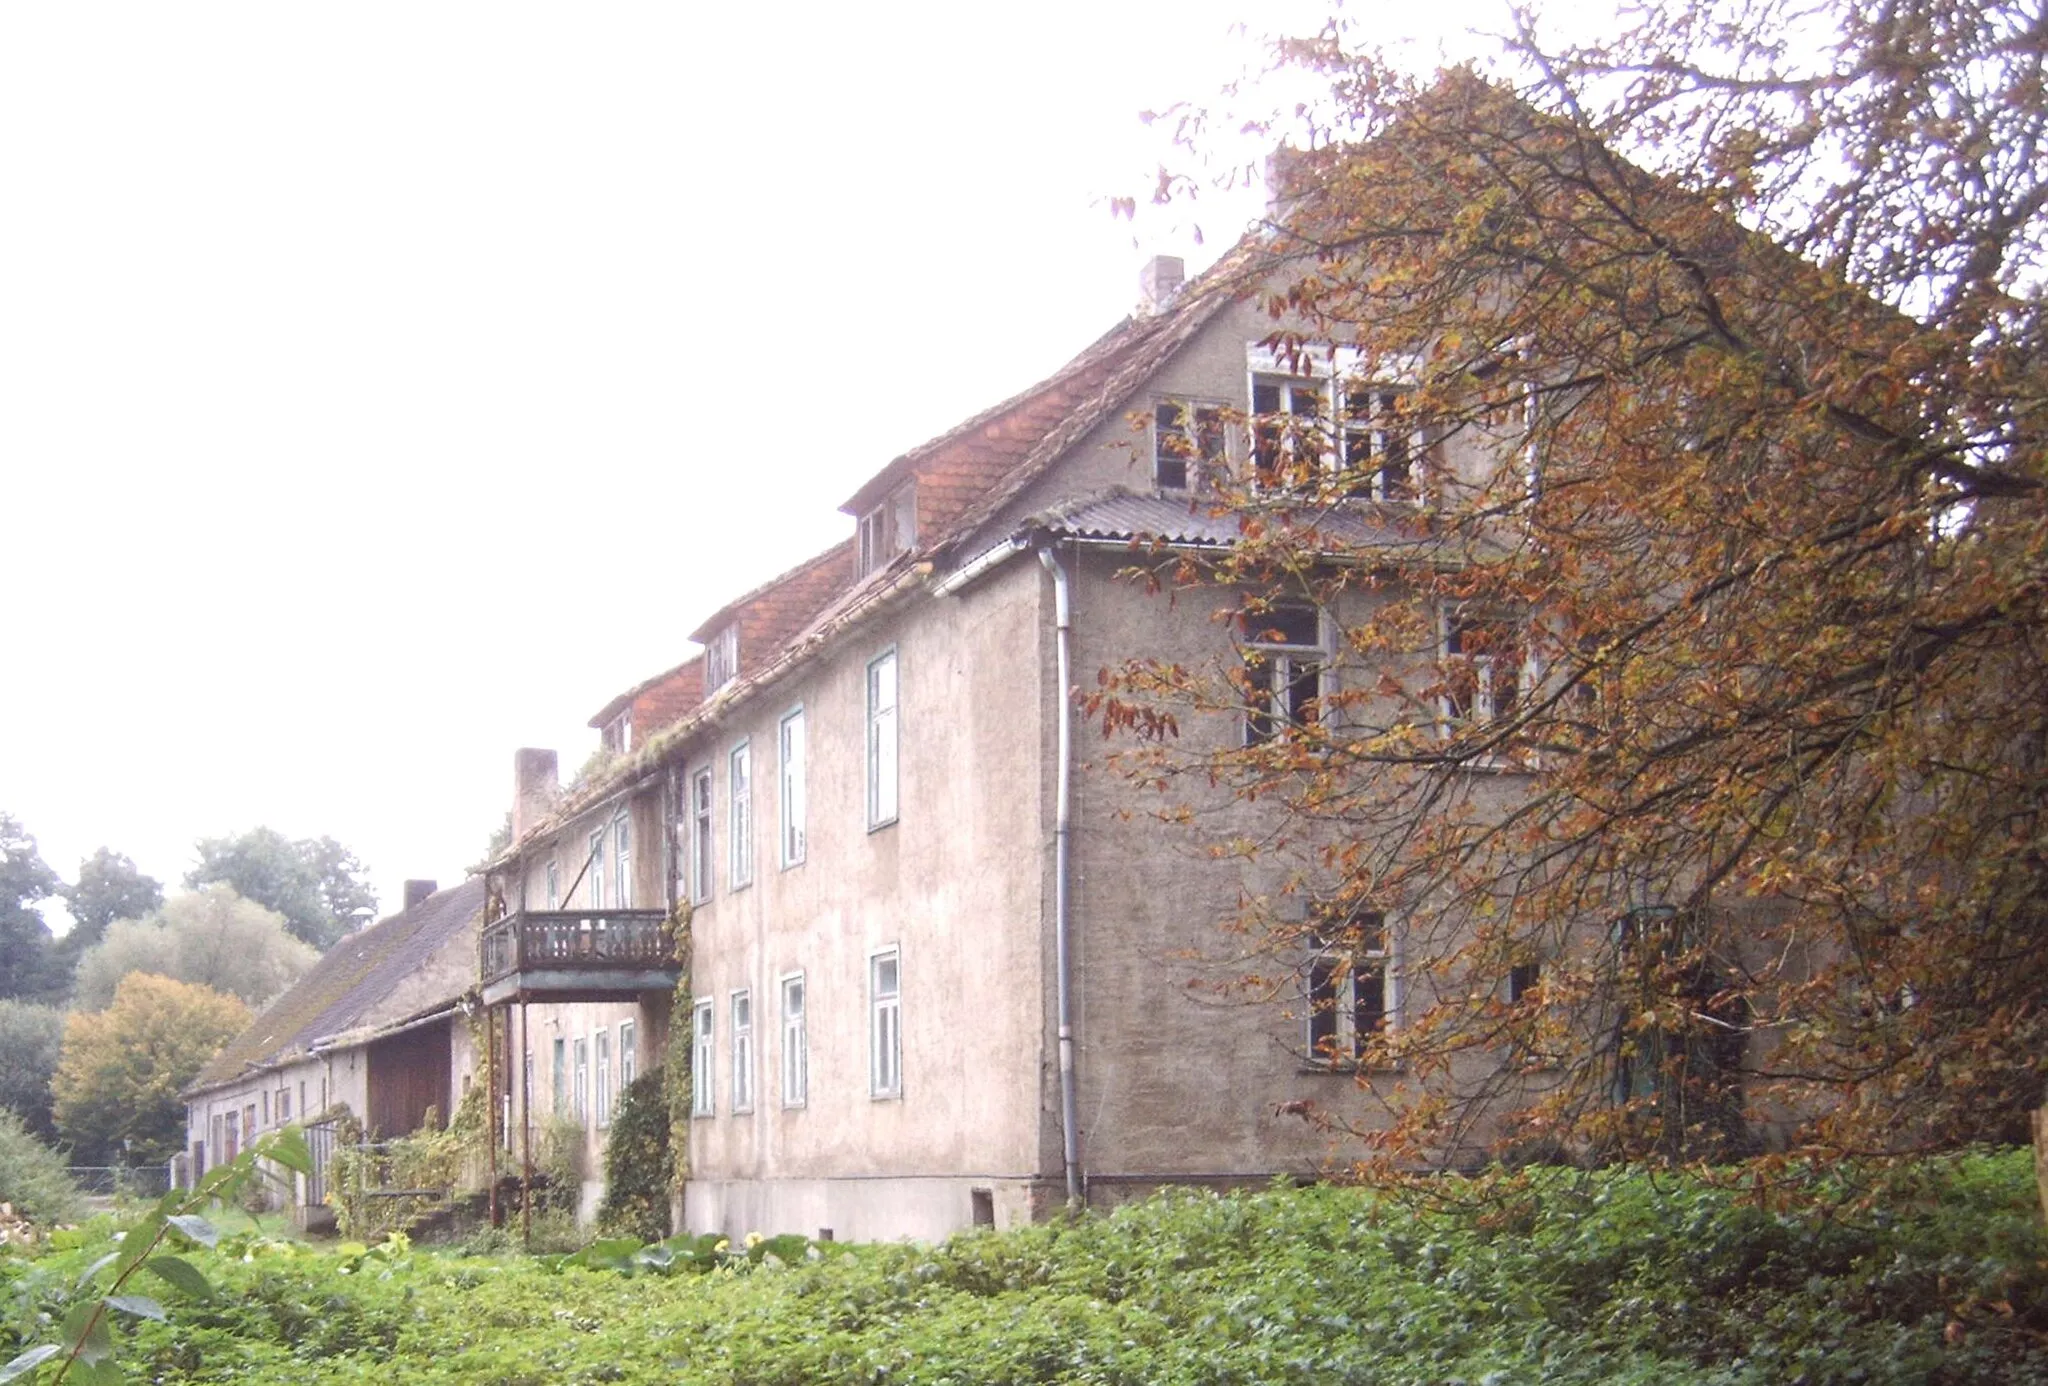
(120, 1181)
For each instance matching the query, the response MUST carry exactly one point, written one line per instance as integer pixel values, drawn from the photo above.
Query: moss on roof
(347, 983)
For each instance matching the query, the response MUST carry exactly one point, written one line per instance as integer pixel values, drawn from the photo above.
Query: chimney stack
(536, 780)
(1160, 281)
(417, 891)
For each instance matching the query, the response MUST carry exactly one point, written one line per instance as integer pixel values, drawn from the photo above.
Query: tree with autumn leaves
(1697, 749)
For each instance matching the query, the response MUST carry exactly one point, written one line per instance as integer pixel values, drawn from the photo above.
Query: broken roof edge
(625, 699)
(1196, 294)
(650, 760)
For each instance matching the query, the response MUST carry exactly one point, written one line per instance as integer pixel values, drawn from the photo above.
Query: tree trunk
(2041, 1156)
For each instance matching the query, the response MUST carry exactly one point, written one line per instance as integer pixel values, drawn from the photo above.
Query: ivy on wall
(637, 1172)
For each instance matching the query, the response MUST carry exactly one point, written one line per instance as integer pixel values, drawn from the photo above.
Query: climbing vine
(676, 1072)
(636, 1163)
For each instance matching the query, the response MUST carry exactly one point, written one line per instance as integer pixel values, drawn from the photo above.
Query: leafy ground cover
(1564, 1278)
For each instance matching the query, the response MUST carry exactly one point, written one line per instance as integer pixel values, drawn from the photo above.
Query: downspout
(1062, 927)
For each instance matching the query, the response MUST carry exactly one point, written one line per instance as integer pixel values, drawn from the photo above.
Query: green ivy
(676, 1081)
(636, 1163)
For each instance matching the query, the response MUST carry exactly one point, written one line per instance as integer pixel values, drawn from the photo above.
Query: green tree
(33, 1178)
(24, 937)
(109, 887)
(1697, 736)
(120, 1077)
(211, 937)
(315, 883)
(30, 1038)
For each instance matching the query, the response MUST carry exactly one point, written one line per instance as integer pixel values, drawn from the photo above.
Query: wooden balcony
(577, 955)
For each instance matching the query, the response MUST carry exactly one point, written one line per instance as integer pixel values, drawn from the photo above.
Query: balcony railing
(578, 941)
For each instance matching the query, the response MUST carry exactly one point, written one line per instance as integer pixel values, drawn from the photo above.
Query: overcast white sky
(384, 386)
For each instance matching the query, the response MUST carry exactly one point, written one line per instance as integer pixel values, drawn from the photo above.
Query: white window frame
(796, 1040)
(703, 1058)
(888, 529)
(739, 1010)
(739, 791)
(629, 1057)
(617, 736)
(1323, 385)
(593, 869)
(580, 1102)
(558, 1077)
(601, 1080)
(553, 877)
(884, 739)
(622, 862)
(793, 809)
(1190, 442)
(703, 845)
(1339, 980)
(1282, 666)
(885, 1026)
(721, 658)
(1491, 672)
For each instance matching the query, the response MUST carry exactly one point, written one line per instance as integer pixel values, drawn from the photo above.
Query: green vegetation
(1558, 1276)
(637, 1167)
(32, 1177)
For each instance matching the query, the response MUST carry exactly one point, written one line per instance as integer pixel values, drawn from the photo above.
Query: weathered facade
(938, 956)
(375, 1028)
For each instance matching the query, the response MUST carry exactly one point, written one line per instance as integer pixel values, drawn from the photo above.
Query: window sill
(1350, 1068)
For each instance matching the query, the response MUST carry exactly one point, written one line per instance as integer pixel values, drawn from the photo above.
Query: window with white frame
(1483, 668)
(603, 1042)
(701, 853)
(885, 1025)
(622, 862)
(796, 1044)
(1351, 986)
(593, 870)
(580, 1103)
(629, 1055)
(1285, 656)
(739, 788)
(554, 886)
(790, 745)
(721, 658)
(888, 529)
(882, 740)
(741, 1011)
(559, 1075)
(703, 1053)
(617, 736)
(1325, 416)
(1188, 443)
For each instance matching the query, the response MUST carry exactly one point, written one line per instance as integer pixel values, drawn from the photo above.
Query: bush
(32, 1177)
(636, 1164)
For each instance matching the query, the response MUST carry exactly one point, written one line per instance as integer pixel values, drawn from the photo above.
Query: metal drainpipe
(1070, 1134)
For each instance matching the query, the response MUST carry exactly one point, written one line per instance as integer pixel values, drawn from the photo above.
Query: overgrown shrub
(636, 1163)
(32, 1176)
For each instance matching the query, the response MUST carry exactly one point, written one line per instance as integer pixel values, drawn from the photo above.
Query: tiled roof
(342, 990)
(964, 476)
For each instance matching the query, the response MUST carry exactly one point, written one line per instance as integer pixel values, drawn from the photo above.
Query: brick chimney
(536, 780)
(1159, 282)
(417, 891)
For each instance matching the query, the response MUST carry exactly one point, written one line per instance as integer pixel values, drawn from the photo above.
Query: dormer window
(889, 529)
(721, 659)
(617, 736)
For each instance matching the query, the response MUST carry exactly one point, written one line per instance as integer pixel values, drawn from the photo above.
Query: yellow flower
(755, 1239)
(724, 1244)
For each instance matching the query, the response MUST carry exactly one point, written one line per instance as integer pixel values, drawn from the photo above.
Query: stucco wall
(955, 885)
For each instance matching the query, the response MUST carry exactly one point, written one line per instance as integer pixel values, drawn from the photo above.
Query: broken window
(1284, 659)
